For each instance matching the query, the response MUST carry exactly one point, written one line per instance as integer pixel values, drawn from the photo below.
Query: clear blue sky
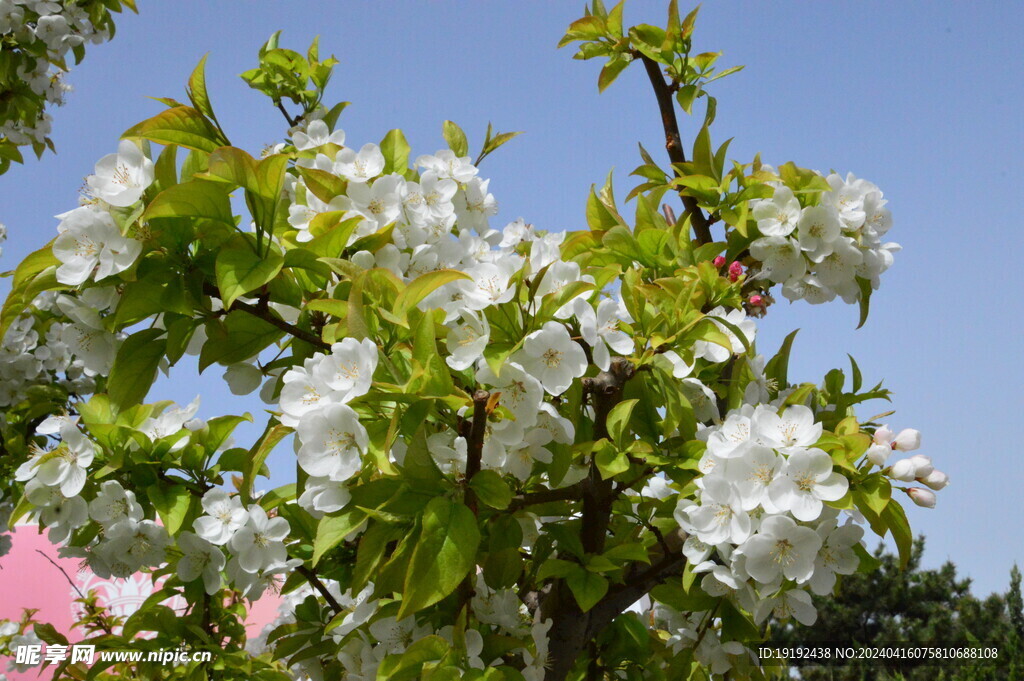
(922, 98)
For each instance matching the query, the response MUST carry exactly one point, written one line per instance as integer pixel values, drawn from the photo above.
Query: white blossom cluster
(759, 529)
(27, 25)
(817, 252)
(59, 341)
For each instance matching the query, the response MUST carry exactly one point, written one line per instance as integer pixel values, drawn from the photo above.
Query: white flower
(170, 422)
(780, 256)
(781, 547)
(735, 436)
(794, 428)
(323, 495)
(113, 503)
(936, 480)
(333, 442)
(601, 330)
(839, 266)
(429, 201)
(553, 357)
(847, 198)
(225, 515)
(300, 216)
(137, 543)
(751, 474)
(446, 165)
(778, 215)
(836, 555)
(121, 178)
(805, 481)
(702, 399)
(200, 558)
(380, 204)
(818, 228)
(713, 352)
(515, 233)
(719, 517)
(907, 441)
(90, 245)
(317, 135)
(60, 514)
(474, 205)
(259, 543)
(348, 370)
(672, 363)
(467, 340)
(360, 166)
(64, 467)
(795, 603)
(521, 393)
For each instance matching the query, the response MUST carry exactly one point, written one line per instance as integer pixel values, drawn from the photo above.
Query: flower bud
(908, 440)
(718, 261)
(735, 270)
(922, 497)
(884, 436)
(922, 465)
(756, 300)
(879, 454)
(903, 470)
(936, 480)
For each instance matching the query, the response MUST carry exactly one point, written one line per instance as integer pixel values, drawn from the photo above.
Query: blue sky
(922, 98)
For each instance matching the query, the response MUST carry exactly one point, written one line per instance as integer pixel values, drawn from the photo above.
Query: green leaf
(865, 299)
(332, 530)
(611, 71)
(455, 138)
(617, 421)
(181, 125)
(172, 503)
(610, 460)
(876, 491)
(194, 199)
(237, 338)
(240, 270)
(396, 152)
(587, 588)
(491, 489)
(135, 367)
(422, 286)
(896, 519)
(258, 455)
(438, 379)
(444, 554)
(197, 90)
(777, 368)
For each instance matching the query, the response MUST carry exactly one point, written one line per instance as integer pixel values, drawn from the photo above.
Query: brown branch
(674, 144)
(106, 627)
(573, 492)
(280, 107)
(266, 315)
(315, 582)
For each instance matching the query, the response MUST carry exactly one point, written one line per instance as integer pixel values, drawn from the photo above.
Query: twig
(284, 112)
(268, 317)
(315, 582)
(674, 144)
(103, 625)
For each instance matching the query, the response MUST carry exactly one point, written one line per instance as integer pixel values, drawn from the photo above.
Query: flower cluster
(817, 245)
(60, 341)
(37, 36)
(761, 529)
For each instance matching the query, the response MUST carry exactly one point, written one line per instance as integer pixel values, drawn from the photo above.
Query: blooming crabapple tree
(36, 37)
(520, 454)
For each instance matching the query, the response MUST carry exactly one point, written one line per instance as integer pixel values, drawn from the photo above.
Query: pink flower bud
(922, 497)
(756, 300)
(908, 440)
(903, 470)
(922, 465)
(718, 261)
(735, 270)
(936, 480)
(879, 454)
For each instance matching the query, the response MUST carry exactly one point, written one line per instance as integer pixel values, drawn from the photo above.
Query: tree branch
(573, 492)
(674, 144)
(315, 582)
(266, 315)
